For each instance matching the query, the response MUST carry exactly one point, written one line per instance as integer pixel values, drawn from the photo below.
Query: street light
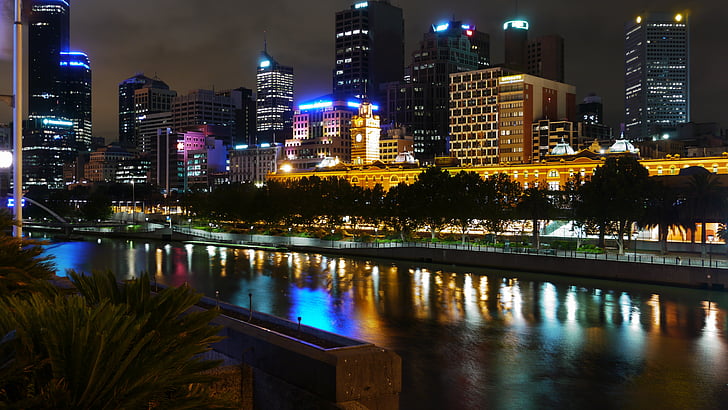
(710, 250)
(133, 203)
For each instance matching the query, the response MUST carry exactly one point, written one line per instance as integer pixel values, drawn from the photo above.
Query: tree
(108, 347)
(466, 189)
(705, 201)
(399, 207)
(500, 195)
(615, 194)
(431, 190)
(536, 204)
(23, 268)
(664, 211)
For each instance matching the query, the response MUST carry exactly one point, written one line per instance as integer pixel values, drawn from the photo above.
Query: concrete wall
(289, 373)
(679, 275)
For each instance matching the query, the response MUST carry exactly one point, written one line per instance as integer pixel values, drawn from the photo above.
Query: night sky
(194, 44)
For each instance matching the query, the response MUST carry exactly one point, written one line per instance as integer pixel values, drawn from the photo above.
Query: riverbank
(683, 271)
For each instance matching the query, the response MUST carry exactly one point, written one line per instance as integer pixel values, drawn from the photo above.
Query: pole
(133, 202)
(18, 119)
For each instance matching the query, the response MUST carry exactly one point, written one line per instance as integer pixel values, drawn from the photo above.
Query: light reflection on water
(469, 338)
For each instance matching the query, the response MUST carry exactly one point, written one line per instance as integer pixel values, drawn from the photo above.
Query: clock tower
(365, 131)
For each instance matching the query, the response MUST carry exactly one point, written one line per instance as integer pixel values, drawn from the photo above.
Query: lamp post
(710, 250)
(133, 202)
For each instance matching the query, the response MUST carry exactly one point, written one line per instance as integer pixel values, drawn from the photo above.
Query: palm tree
(108, 347)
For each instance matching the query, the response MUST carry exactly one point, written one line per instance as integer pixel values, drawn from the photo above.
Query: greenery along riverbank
(618, 197)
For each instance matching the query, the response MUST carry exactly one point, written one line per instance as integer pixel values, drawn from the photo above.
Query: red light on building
(469, 33)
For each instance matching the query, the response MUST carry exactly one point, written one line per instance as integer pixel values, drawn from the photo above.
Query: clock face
(358, 137)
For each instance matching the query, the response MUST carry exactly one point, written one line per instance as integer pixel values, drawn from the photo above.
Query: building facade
(252, 164)
(492, 112)
(657, 74)
(541, 57)
(274, 106)
(127, 106)
(421, 102)
(365, 132)
(369, 49)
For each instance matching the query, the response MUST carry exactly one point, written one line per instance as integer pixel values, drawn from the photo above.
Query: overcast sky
(194, 44)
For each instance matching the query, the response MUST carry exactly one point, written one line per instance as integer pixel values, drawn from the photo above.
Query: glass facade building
(274, 107)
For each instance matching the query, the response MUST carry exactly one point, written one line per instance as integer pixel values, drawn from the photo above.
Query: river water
(469, 338)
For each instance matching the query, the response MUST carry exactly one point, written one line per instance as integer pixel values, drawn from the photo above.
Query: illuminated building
(104, 162)
(555, 172)
(127, 106)
(421, 102)
(59, 88)
(394, 144)
(492, 113)
(148, 100)
(76, 95)
(253, 163)
(657, 74)
(207, 108)
(542, 57)
(590, 116)
(205, 164)
(274, 107)
(365, 131)
(547, 135)
(322, 129)
(369, 49)
(148, 128)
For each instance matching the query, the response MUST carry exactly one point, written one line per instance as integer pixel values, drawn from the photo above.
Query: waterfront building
(251, 164)
(556, 171)
(137, 170)
(149, 127)
(322, 129)
(422, 101)
(274, 100)
(128, 115)
(657, 74)
(492, 112)
(203, 165)
(369, 49)
(365, 132)
(75, 96)
(148, 101)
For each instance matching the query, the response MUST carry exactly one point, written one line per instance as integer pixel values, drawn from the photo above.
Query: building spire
(265, 42)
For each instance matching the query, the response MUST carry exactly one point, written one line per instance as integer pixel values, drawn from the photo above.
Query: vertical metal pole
(18, 93)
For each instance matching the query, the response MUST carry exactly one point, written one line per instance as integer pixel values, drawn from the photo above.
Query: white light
(6, 159)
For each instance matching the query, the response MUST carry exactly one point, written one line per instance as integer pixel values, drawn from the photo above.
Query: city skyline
(221, 48)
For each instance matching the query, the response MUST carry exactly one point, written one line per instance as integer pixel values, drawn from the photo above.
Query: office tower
(321, 130)
(148, 101)
(421, 102)
(516, 36)
(274, 107)
(493, 111)
(127, 115)
(76, 95)
(545, 57)
(207, 107)
(657, 74)
(369, 49)
(252, 163)
(59, 104)
(542, 57)
(589, 114)
(244, 129)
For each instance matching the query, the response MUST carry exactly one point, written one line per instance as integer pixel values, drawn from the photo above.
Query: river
(469, 338)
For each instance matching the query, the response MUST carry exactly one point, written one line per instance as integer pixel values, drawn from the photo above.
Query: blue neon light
(354, 104)
(265, 63)
(11, 203)
(467, 27)
(519, 24)
(62, 123)
(361, 5)
(265, 145)
(244, 146)
(441, 27)
(318, 104)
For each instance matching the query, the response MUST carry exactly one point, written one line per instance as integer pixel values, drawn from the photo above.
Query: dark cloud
(204, 43)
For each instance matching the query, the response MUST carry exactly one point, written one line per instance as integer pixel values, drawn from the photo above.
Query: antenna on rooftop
(265, 42)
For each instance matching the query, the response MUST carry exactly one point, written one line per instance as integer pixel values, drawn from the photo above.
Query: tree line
(618, 197)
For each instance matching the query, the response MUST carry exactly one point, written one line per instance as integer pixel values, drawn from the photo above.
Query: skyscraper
(542, 57)
(422, 101)
(59, 105)
(274, 108)
(127, 115)
(657, 74)
(75, 96)
(369, 49)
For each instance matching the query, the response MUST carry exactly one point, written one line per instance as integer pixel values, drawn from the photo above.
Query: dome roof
(562, 148)
(622, 145)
